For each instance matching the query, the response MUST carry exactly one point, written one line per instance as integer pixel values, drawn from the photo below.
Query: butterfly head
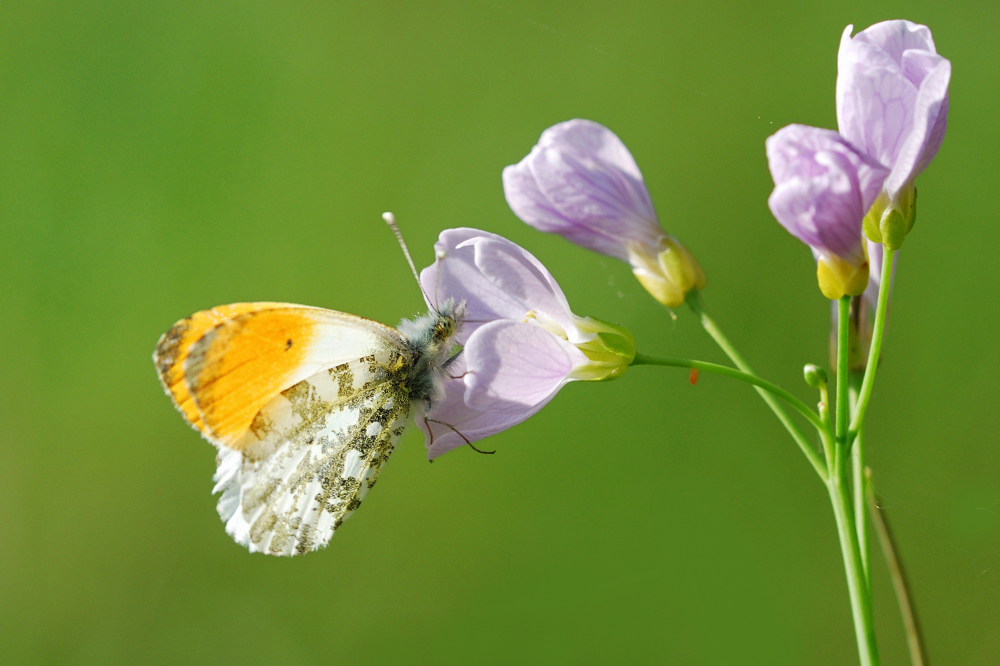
(433, 334)
(448, 319)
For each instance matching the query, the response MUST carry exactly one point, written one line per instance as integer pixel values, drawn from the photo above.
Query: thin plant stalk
(860, 397)
(694, 302)
(914, 638)
(858, 486)
(837, 476)
(843, 508)
(861, 608)
(865, 394)
(774, 389)
(843, 385)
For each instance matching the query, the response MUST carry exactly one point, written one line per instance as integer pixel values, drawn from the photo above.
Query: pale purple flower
(581, 182)
(892, 97)
(892, 103)
(822, 189)
(521, 342)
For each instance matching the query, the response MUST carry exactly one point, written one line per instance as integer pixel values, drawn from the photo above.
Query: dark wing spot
(288, 345)
(169, 347)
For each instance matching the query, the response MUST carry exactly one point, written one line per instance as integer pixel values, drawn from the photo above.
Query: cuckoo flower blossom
(521, 343)
(822, 189)
(580, 182)
(892, 104)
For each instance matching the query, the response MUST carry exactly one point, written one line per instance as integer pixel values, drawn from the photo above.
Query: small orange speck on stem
(693, 377)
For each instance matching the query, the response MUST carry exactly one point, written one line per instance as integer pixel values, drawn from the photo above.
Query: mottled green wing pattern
(312, 454)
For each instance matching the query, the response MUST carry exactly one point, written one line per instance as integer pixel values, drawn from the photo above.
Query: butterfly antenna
(438, 256)
(390, 220)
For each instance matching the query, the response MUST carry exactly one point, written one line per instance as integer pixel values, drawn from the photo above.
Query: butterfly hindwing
(312, 453)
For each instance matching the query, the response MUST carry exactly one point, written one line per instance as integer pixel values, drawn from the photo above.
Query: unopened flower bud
(888, 222)
(815, 376)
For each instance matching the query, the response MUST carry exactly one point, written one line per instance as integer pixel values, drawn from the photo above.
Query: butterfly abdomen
(424, 380)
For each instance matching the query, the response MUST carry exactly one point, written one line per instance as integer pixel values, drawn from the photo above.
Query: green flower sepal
(888, 222)
(610, 350)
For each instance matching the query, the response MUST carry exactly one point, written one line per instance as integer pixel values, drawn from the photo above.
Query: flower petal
(918, 64)
(874, 99)
(497, 279)
(451, 424)
(892, 97)
(511, 370)
(823, 187)
(454, 274)
(896, 37)
(581, 182)
(930, 120)
(517, 367)
(519, 274)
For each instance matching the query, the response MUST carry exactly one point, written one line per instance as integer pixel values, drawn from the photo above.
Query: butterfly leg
(453, 358)
(444, 366)
(455, 430)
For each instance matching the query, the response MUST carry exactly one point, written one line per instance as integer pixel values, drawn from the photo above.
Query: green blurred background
(158, 160)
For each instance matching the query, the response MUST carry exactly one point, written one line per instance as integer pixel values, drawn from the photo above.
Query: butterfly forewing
(221, 366)
(174, 346)
(312, 453)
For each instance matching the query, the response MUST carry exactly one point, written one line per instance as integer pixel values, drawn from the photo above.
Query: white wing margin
(312, 454)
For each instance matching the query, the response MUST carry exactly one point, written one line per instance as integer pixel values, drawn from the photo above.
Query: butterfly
(304, 405)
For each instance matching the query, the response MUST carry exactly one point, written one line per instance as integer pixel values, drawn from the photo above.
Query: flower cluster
(832, 189)
(848, 194)
(522, 343)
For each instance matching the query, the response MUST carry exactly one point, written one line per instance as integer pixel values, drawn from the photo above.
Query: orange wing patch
(238, 366)
(174, 346)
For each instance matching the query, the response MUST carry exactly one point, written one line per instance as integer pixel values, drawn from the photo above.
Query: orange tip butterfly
(304, 405)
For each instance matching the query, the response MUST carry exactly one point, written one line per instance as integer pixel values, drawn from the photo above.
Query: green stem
(843, 509)
(858, 486)
(857, 585)
(803, 408)
(869, 381)
(694, 302)
(843, 334)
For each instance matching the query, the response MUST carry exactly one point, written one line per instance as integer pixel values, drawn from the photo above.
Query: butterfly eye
(445, 327)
